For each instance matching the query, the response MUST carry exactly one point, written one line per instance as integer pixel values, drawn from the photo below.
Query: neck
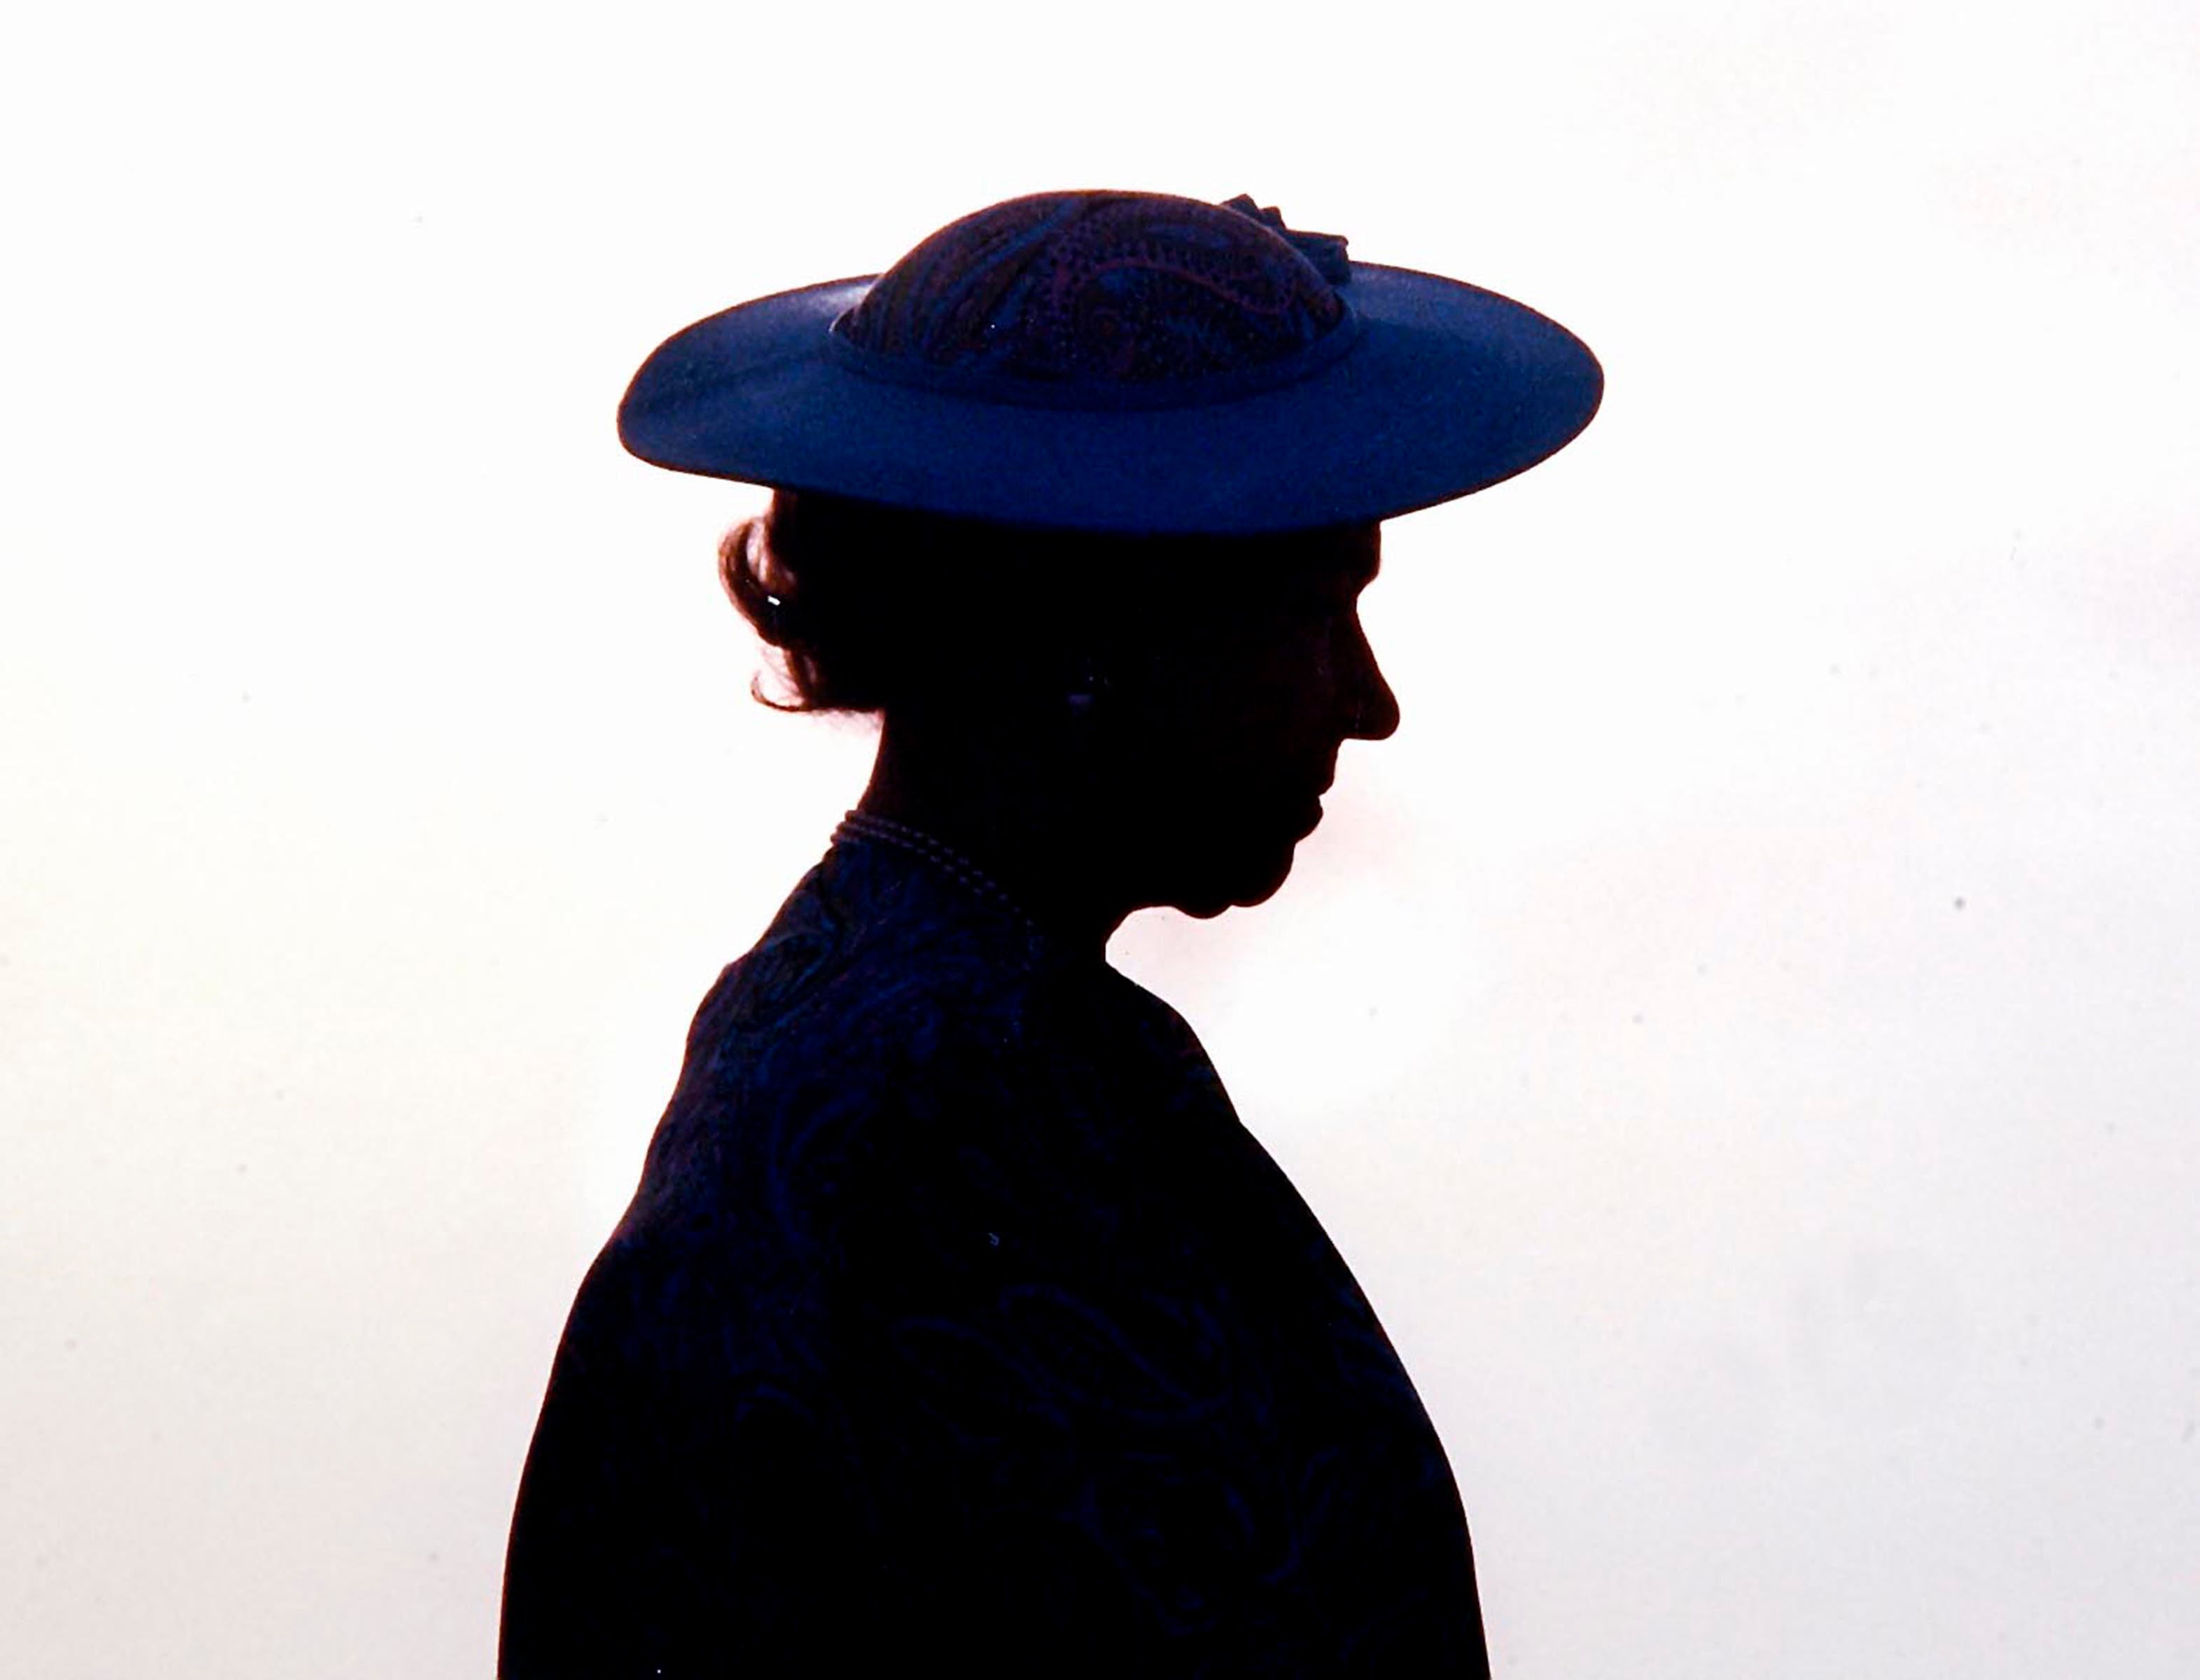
(1002, 800)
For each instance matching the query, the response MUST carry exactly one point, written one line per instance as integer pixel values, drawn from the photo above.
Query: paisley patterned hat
(1124, 362)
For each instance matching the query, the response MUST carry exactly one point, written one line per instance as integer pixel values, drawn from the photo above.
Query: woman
(957, 1319)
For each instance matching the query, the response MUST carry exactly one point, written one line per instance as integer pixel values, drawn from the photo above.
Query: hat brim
(1446, 390)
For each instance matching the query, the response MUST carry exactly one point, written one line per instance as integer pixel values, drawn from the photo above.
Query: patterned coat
(958, 1320)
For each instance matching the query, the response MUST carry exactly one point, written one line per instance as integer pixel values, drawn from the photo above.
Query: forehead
(1244, 571)
(1353, 553)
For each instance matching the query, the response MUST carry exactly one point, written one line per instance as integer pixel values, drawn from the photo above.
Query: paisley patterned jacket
(957, 1320)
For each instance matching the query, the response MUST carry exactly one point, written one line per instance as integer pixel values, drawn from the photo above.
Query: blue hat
(1121, 362)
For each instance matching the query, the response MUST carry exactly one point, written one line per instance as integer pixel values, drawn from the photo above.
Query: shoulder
(887, 1032)
(838, 1053)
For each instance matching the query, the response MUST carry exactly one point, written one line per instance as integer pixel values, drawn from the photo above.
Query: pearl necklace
(864, 825)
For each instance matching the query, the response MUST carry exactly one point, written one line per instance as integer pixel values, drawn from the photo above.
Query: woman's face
(1242, 685)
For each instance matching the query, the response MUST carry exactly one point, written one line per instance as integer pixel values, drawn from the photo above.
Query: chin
(1246, 886)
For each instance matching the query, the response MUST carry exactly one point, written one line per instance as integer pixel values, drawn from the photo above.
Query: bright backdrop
(1744, 1030)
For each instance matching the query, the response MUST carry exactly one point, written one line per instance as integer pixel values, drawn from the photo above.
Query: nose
(1373, 708)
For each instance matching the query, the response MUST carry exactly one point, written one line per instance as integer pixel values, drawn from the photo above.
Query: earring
(1088, 690)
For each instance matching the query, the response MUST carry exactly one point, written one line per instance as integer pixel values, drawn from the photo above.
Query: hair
(869, 606)
(874, 608)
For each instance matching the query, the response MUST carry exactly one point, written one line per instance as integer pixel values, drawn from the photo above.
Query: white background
(1742, 1030)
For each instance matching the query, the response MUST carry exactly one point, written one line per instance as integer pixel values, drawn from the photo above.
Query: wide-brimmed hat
(1125, 362)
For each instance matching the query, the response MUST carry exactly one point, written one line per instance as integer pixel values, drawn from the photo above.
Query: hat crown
(1126, 291)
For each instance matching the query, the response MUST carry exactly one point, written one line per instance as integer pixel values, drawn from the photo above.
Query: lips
(1311, 801)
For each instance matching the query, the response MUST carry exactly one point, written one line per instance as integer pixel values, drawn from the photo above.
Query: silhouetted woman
(957, 1320)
